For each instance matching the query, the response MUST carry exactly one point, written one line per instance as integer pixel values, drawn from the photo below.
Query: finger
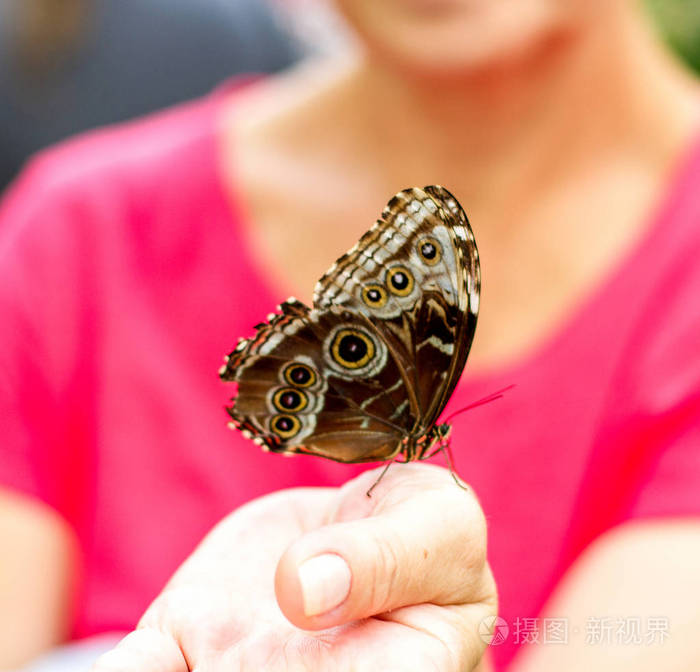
(144, 650)
(422, 539)
(450, 638)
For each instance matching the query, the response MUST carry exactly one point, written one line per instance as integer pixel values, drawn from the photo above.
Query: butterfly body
(364, 374)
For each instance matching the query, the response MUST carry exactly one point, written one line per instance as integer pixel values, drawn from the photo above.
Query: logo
(493, 630)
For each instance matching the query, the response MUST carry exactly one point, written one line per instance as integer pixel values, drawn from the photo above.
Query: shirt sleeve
(666, 386)
(44, 309)
(672, 485)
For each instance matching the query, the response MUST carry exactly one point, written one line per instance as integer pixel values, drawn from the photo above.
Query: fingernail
(325, 583)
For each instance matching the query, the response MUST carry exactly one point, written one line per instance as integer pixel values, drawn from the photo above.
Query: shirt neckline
(678, 185)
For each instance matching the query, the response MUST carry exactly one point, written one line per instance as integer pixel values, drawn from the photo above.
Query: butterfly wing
(321, 382)
(415, 276)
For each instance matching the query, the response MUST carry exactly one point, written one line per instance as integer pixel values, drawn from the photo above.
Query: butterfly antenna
(485, 400)
(381, 476)
(445, 444)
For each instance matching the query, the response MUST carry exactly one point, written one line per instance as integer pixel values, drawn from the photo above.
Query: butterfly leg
(446, 448)
(381, 476)
(433, 453)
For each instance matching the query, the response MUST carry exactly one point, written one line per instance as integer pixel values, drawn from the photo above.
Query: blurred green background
(679, 23)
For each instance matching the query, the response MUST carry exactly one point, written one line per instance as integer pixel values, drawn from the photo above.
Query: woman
(569, 136)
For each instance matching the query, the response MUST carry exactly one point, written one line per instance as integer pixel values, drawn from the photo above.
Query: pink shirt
(125, 276)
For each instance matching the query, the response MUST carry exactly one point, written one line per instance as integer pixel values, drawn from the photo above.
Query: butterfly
(364, 374)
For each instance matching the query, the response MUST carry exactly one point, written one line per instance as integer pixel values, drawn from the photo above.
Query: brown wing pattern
(294, 396)
(431, 321)
(378, 356)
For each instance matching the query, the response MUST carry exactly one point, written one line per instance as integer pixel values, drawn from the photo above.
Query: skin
(637, 570)
(36, 579)
(558, 125)
(416, 600)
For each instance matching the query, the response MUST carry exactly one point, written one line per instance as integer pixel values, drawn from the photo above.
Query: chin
(447, 37)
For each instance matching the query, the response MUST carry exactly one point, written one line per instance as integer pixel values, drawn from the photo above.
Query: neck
(578, 96)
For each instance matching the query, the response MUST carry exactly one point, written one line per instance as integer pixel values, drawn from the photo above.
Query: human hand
(398, 581)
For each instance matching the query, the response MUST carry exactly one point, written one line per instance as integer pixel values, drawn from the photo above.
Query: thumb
(423, 540)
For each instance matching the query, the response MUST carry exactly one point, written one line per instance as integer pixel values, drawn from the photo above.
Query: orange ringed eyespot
(352, 349)
(290, 400)
(374, 296)
(300, 375)
(285, 426)
(399, 280)
(429, 251)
